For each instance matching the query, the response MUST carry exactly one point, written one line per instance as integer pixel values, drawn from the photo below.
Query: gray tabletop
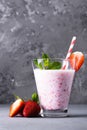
(76, 120)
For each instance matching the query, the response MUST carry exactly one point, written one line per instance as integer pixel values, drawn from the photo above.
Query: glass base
(54, 113)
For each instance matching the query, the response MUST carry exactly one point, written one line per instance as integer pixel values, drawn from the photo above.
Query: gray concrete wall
(30, 27)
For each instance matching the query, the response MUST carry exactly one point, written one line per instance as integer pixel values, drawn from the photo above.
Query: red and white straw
(71, 47)
(73, 41)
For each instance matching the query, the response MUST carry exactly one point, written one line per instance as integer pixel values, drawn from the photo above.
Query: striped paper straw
(69, 51)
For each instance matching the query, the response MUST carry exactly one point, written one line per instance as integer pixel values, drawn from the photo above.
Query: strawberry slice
(31, 109)
(16, 107)
(76, 60)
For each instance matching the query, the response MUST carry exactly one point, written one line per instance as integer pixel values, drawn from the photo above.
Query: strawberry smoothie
(54, 87)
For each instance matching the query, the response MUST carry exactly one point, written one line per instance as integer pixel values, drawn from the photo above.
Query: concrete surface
(76, 120)
(30, 27)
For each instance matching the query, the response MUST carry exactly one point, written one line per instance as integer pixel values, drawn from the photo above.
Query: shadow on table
(77, 115)
(70, 116)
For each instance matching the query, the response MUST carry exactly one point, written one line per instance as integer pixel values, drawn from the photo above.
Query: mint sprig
(47, 63)
(37, 64)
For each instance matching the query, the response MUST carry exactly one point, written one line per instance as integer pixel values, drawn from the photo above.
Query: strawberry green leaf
(35, 97)
(16, 97)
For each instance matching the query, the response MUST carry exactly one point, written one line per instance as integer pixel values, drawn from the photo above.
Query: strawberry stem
(16, 97)
(35, 97)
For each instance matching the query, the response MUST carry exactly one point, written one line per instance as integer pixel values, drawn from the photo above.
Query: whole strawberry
(28, 108)
(31, 109)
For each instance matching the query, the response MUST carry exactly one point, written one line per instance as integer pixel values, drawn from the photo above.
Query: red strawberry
(31, 109)
(76, 60)
(16, 107)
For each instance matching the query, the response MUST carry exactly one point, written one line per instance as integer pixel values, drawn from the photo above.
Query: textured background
(30, 27)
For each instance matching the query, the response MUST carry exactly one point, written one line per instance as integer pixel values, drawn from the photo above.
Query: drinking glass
(54, 87)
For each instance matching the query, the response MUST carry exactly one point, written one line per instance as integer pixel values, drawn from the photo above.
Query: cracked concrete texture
(30, 27)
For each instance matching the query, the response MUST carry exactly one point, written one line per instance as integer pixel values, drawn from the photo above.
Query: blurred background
(30, 27)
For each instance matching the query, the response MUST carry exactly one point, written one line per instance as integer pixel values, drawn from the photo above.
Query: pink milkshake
(54, 88)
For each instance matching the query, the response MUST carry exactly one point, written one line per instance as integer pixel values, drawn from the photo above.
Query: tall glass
(54, 88)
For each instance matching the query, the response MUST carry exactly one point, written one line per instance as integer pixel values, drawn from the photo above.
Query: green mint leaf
(40, 65)
(44, 56)
(46, 63)
(55, 65)
(46, 60)
(36, 62)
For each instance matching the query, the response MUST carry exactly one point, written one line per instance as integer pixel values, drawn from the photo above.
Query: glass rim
(61, 59)
(64, 62)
